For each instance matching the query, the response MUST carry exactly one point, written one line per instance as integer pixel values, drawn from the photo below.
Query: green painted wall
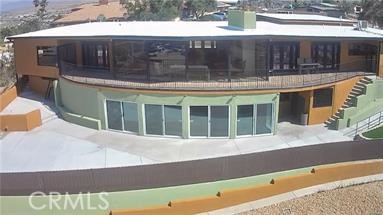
(366, 105)
(89, 104)
(141, 198)
(242, 19)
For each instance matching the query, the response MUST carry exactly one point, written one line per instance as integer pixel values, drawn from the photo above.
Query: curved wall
(86, 104)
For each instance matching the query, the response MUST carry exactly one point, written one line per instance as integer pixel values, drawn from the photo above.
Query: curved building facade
(200, 79)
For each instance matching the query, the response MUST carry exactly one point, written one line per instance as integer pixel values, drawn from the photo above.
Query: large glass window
(67, 53)
(167, 60)
(114, 114)
(283, 55)
(130, 59)
(95, 54)
(326, 54)
(46, 55)
(130, 116)
(255, 119)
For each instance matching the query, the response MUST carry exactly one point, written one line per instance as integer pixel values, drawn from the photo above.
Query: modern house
(202, 79)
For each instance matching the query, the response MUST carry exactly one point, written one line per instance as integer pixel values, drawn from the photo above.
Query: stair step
(365, 81)
(359, 87)
(355, 94)
(356, 90)
(367, 78)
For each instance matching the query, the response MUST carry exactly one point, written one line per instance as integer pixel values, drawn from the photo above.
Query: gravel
(359, 199)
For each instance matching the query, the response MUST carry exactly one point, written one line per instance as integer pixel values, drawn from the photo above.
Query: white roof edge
(199, 29)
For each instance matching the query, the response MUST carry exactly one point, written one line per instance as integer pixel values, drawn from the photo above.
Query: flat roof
(180, 29)
(303, 17)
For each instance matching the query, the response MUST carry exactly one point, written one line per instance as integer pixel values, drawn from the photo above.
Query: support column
(380, 72)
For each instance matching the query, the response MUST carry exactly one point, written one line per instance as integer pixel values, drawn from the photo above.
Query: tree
(41, 5)
(7, 68)
(151, 9)
(200, 7)
(372, 11)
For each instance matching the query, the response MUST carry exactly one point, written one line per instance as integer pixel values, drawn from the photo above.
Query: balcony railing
(203, 79)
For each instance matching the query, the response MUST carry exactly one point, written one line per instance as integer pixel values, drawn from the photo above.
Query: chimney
(101, 2)
(242, 19)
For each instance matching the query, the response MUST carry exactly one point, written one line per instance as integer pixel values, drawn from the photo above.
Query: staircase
(358, 89)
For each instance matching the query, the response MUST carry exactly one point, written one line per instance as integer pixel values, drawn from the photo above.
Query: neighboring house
(92, 12)
(327, 10)
(200, 79)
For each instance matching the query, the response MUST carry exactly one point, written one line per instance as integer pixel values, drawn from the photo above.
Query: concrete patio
(60, 145)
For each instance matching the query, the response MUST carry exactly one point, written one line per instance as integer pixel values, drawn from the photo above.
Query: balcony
(200, 78)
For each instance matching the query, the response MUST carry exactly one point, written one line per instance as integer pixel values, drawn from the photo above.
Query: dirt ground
(359, 199)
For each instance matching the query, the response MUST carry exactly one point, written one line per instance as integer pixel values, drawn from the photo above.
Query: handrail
(217, 79)
(366, 124)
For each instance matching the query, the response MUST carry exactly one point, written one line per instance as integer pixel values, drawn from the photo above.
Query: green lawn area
(374, 134)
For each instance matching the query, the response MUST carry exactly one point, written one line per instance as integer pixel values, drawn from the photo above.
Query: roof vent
(362, 25)
(242, 19)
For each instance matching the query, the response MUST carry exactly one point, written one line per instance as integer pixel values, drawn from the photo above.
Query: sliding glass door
(122, 116)
(264, 119)
(153, 119)
(245, 118)
(284, 55)
(327, 54)
(199, 120)
(163, 120)
(219, 121)
(114, 115)
(173, 120)
(255, 119)
(130, 116)
(209, 121)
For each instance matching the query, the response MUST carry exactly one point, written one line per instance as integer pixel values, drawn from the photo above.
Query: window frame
(122, 116)
(326, 104)
(209, 122)
(38, 55)
(254, 121)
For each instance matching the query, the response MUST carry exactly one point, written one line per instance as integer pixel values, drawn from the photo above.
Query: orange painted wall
(20, 122)
(7, 97)
(227, 198)
(26, 57)
(341, 90)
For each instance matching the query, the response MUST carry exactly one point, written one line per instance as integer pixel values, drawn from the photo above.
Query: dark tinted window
(47, 55)
(322, 97)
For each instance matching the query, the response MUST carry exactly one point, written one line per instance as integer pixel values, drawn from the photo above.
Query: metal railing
(198, 77)
(365, 125)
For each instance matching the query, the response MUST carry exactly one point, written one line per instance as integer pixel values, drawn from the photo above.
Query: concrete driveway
(60, 145)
